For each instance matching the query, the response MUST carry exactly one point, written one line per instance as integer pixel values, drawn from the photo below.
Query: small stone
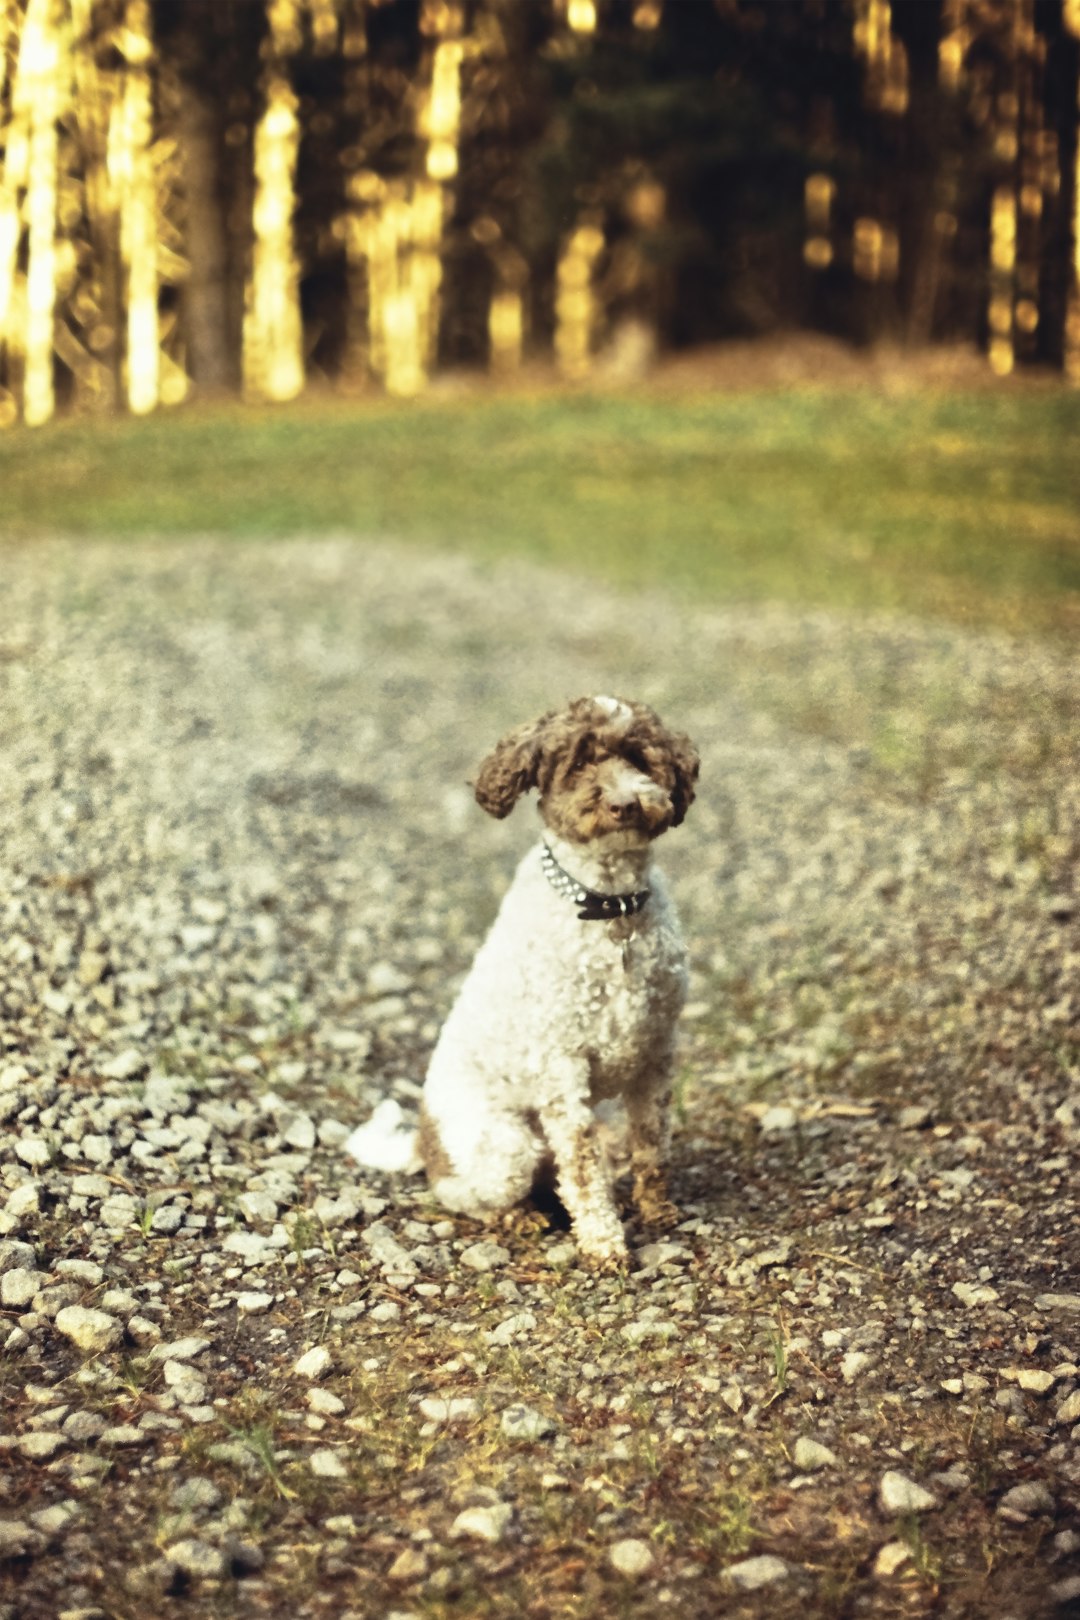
(258, 1206)
(638, 1332)
(167, 1220)
(810, 1456)
(410, 1565)
(778, 1120)
(17, 1539)
(54, 1520)
(483, 1523)
(122, 1434)
(91, 1186)
(195, 1495)
(1068, 1303)
(1069, 1410)
(33, 1151)
(25, 1200)
(974, 1294)
(18, 1287)
(631, 1557)
(198, 1559)
(486, 1256)
(180, 1349)
(1066, 1591)
(1026, 1501)
(325, 1402)
(40, 1444)
(87, 1272)
(314, 1363)
(520, 1422)
(953, 1386)
(899, 1494)
(251, 1246)
(124, 1066)
(299, 1133)
(511, 1327)
(244, 1557)
(89, 1330)
(449, 1409)
(143, 1331)
(81, 1427)
(1033, 1379)
(16, 1255)
(854, 1364)
(253, 1304)
(915, 1117)
(752, 1573)
(890, 1558)
(327, 1464)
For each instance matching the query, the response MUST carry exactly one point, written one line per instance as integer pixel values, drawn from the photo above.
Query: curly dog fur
(562, 1011)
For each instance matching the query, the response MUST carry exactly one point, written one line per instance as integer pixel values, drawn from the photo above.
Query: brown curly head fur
(601, 765)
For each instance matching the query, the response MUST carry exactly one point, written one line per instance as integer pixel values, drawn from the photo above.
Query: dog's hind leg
(481, 1171)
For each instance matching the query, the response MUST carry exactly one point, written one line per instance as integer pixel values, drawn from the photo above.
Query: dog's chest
(628, 985)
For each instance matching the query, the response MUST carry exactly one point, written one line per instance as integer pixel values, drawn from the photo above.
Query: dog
(573, 998)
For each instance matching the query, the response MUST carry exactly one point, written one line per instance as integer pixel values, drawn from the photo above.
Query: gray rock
(631, 1557)
(40, 1444)
(17, 1539)
(489, 1524)
(91, 1331)
(449, 1408)
(521, 1422)
(327, 1464)
(16, 1256)
(81, 1427)
(485, 1256)
(512, 1327)
(1066, 1304)
(325, 1402)
(1026, 1501)
(180, 1349)
(753, 1573)
(810, 1456)
(899, 1494)
(19, 1286)
(1069, 1410)
(314, 1363)
(34, 1151)
(198, 1559)
(195, 1495)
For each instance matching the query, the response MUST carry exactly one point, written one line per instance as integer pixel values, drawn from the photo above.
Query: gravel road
(240, 878)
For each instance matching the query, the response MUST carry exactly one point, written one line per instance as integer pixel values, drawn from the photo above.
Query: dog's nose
(623, 806)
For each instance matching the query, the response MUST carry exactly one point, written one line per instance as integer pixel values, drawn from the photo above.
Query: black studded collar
(594, 907)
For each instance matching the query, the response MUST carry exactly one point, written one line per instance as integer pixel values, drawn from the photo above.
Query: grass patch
(963, 504)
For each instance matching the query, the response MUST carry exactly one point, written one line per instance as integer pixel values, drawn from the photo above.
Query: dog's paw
(605, 1259)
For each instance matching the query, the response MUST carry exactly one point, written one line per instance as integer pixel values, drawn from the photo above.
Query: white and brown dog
(574, 995)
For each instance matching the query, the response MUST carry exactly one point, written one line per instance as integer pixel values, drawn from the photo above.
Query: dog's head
(601, 765)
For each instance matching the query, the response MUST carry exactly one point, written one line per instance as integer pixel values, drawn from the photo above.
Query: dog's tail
(387, 1141)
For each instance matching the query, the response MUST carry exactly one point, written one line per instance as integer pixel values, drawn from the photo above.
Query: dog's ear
(511, 768)
(686, 763)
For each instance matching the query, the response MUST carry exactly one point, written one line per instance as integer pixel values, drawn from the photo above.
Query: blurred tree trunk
(206, 289)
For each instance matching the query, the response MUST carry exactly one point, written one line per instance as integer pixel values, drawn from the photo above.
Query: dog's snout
(623, 805)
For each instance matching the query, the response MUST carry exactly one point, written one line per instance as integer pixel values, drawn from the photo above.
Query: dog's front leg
(584, 1179)
(648, 1111)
